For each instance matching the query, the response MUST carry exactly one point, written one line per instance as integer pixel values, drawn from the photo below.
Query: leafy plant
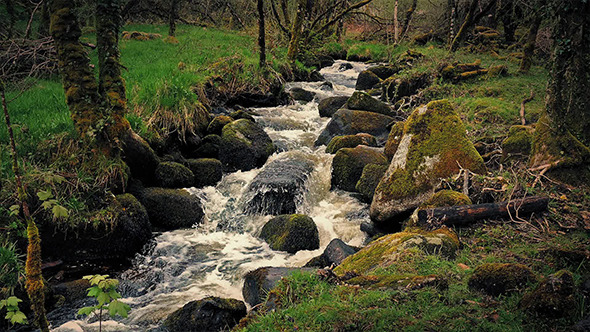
(13, 313)
(105, 292)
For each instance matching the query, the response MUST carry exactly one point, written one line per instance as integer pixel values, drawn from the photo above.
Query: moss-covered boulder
(518, 142)
(362, 101)
(170, 209)
(348, 165)
(217, 124)
(301, 94)
(386, 250)
(393, 140)
(350, 141)
(349, 122)
(207, 171)
(242, 114)
(330, 105)
(500, 278)
(366, 80)
(291, 233)
(370, 177)
(334, 254)
(434, 145)
(395, 88)
(244, 146)
(385, 71)
(553, 298)
(209, 314)
(139, 156)
(170, 174)
(209, 147)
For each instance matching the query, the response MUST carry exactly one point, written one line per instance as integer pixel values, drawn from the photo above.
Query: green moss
(501, 278)
(291, 233)
(372, 174)
(553, 298)
(217, 124)
(350, 141)
(446, 198)
(348, 165)
(364, 102)
(174, 175)
(519, 141)
(394, 138)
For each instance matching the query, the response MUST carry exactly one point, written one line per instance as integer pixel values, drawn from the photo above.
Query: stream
(211, 259)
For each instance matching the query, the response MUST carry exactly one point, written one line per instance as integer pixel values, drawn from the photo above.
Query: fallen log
(466, 214)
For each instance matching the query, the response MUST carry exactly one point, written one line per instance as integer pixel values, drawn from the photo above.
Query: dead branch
(526, 100)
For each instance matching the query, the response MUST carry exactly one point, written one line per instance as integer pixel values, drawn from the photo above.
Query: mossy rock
(384, 71)
(395, 88)
(446, 198)
(244, 146)
(170, 174)
(362, 101)
(372, 174)
(209, 314)
(209, 147)
(496, 71)
(335, 253)
(350, 141)
(386, 250)
(258, 283)
(241, 114)
(500, 278)
(518, 142)
(291, 233)
(301, 94)
(348, 165)
(328, 106)
(170, 209)
(393, 140)
(217, 124)
(366, 80)
(139, 156)
(434, 145)
(207, 171)
(350, 122)
(553, 298)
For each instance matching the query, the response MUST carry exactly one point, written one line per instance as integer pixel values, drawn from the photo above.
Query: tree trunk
(531, 43)
(408, 18)
(261, 33)
(34, 283)
(452, 12)
(507, 12)
(172, 18)
(562, 135)
(395, 23)
(466, 23)
(110, 82)
(293, 50)
(44, 21)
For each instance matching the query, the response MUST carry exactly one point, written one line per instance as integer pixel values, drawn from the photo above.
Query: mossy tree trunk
(531, 43)
(408, 18)
(261, 33)
(293, 50)
(172, 18)
(562, 134)
(509, 20)
(452, 16)
(466, 24)
(34, 284)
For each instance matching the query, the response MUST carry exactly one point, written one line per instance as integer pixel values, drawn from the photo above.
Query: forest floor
(161, 74)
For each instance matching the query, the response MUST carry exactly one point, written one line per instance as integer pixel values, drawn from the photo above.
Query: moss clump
(434, 145)
(244, 145)
(395, 88)
(217, 124)
(393, 140)
(386, 250)
(348, 165)
(350, 141)
(207, 171)
(446, 198)
(174, 175)
(291, 233)
(519, 141)
(372, 174)
(495, 71)
(500, 278)
(170, 209)
(364, 102)
(553, 298)
(366, 80)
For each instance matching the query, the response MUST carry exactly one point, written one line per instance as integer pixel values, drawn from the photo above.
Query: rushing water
(211, 259)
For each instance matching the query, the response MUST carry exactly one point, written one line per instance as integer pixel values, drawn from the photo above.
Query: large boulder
(217, 124)
(433, 146)
(334, 254)
(553, 298)
(258, 283)
(386, 250)
(384, 71)
(301, 94)
(207, 171)
(139, 156)
(291, 233)
(170, 209)
(279, 186)
(350, 141)
(244, 146)
(209, 147)
(395, 88)
(348, 164)
(330, 105)
(366, 80)
(173, 175)
(209, 314)
(349, 122)
(500, 278)
(362, 101)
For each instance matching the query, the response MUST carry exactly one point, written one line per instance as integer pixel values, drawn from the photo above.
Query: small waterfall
(190, 264)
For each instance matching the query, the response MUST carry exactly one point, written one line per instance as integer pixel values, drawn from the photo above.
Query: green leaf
(94, 291)
(60, 211)
(13, 301)
(103, 298)
(16, 317)
(2, 304)
(118, 308)
(44, 195)
(86, 311)
(14, 209)
(95, 279)
(49, 204)
(114, 294)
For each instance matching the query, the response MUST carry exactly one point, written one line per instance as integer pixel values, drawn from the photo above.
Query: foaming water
(212, 258)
